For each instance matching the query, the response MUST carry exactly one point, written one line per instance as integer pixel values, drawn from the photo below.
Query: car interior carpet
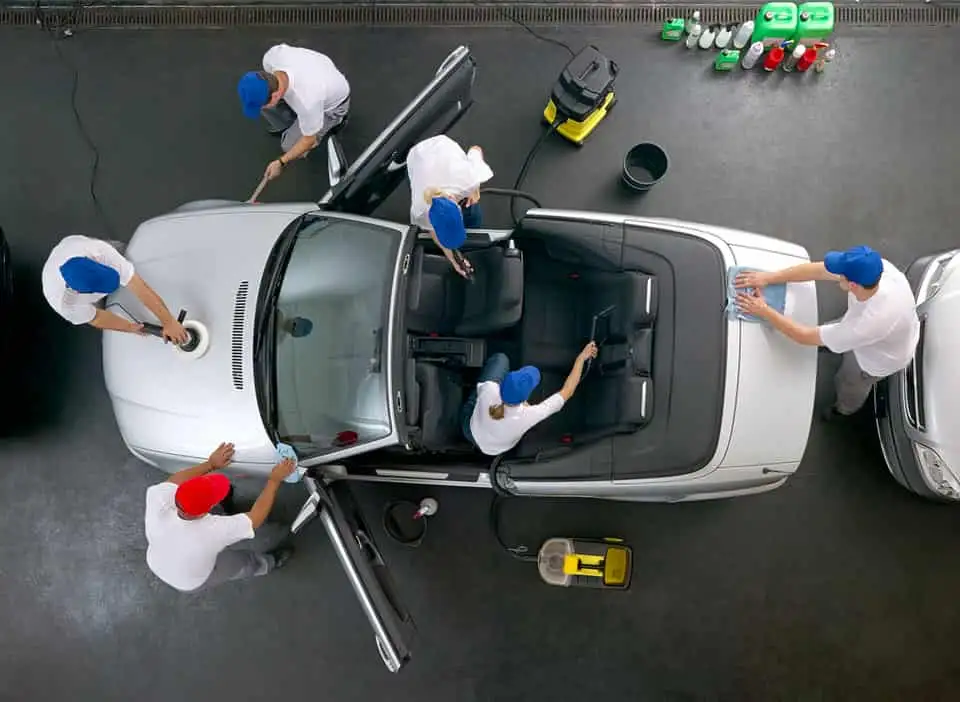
(775, 295)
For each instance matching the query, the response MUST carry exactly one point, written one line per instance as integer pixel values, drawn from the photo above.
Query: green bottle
(672, 29)
(776, 23)
(727, 59)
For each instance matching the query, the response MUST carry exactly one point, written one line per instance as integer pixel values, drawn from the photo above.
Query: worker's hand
(753, 303)
(752, 279)
(274, 169)
(134, 328)
(221, 458)
(477, 149)
(464, 267)
(473, 198)
(589, 351)
(174, 331)
(283, 470)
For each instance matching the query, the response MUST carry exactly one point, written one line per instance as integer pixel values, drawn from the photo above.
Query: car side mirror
(336, 161)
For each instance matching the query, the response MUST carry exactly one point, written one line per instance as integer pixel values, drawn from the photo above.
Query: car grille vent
(239, 315)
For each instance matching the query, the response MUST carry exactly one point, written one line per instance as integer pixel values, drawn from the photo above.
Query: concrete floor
(838, 586)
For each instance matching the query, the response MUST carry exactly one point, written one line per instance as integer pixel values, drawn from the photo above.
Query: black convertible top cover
(686, 334)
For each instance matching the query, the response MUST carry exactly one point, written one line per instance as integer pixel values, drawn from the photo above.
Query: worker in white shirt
(188, 548)
(445, 192)
(81, 271)
(496, 415)
(877, 336)
(301, 93)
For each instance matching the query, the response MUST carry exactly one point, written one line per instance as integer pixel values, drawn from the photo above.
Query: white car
(917, 409)
(352, 340)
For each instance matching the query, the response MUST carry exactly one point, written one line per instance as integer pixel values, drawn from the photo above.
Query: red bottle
(809, 56)
(773, 59)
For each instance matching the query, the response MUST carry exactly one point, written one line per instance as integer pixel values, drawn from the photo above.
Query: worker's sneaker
(281, 556)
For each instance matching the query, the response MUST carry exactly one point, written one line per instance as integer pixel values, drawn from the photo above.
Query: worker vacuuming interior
(81, 271)
(445, 185)
(301, 94)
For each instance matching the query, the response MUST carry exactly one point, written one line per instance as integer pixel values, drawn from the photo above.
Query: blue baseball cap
(860, 264)
(447, 222)
(254, 93)
(517, 386)
(84, 275)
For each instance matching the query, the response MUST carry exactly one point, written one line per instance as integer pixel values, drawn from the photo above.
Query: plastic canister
(673, 29)
(744, 32)
(752, 56)
(815, 22)
(727, 59)
(776, 23)
(773, 59)
(809, 56)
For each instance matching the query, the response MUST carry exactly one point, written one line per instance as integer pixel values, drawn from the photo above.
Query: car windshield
(331, 317)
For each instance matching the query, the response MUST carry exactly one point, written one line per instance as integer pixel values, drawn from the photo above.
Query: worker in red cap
(187, 545)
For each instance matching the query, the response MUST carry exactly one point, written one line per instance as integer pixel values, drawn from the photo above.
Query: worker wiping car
(445, 185)
(496, 415)
(189, 547)
(81, 271)
(877, 335)
(301, 94)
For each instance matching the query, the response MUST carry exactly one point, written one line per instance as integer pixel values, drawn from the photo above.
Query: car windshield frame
(266, 333)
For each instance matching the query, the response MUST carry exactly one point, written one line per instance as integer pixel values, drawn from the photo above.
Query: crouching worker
(445, 191)
(187, 546)
(81, 271)
(496, 415)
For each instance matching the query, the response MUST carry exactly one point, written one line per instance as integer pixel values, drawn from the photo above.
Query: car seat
(434, 398)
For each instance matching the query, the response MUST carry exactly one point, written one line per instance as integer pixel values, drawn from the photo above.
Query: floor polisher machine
(197, 343)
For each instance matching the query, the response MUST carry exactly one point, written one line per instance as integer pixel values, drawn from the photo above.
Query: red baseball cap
(198, 495)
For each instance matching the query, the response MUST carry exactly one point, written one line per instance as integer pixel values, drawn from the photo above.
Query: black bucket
(644, 166)
(401, 526)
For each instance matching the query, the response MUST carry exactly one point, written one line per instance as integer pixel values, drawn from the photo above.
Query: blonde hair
(496, 411)
(431, 193)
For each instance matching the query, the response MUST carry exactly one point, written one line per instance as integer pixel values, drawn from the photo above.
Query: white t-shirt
(316, 85)
(883, 330)
(496, 436)
(183, 552)
(440, 162)
(79, 308)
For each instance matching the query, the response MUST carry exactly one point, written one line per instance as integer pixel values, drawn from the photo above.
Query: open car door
(360, 187)
(334, 507)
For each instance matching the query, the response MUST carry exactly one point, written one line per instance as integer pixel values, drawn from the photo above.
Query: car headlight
(935, 276)
(936, 473)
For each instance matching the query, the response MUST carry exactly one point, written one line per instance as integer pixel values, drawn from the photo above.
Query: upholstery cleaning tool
(724, 35)
(256, 193)
(743, 34)
(195, 347)
(693, 36)
(672, 29)
(752, 56)
(603, 563)
(464, 264)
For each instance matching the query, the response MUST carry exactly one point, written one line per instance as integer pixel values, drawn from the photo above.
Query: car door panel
(375, 174)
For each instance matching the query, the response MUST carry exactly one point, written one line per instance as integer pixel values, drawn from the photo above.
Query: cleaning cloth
(286, 451)
(775, 295)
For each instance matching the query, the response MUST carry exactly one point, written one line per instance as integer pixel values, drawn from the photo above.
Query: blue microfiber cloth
(286, 451)
(775, 295)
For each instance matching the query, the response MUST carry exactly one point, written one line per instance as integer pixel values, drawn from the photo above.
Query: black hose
(521, 552)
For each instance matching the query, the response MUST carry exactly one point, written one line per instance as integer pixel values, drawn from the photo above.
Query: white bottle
(743, 35)
(706, 39)
(694, 36)
(723, 38)
(692, 21)
(752, 56)
(791, 61)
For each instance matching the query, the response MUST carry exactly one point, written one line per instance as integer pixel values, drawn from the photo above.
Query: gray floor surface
(838, 586)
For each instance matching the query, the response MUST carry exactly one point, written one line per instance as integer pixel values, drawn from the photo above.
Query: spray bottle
(706, 39)
(752, 56)
(694, 36)
(695, 20)
(792, 60)
(824, 59)
(743, 35)
(809, 56)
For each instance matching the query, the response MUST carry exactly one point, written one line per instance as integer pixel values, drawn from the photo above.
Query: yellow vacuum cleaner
(583, 95)
(607, 563)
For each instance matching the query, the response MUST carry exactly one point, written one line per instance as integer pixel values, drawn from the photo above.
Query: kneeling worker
(496, 415)
(445, 191)
(315, 95)
(81, 271)
(877, 335)
(188, 547)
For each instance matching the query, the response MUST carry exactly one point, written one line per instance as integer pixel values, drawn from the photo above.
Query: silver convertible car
(353, 340)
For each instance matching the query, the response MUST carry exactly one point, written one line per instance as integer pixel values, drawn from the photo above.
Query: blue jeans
(496, 369)
(472, 216)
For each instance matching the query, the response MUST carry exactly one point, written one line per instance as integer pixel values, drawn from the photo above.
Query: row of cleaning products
(779, 26)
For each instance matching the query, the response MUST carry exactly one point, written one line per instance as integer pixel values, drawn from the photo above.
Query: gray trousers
(853, 385)
(246, 559)
(283, 118)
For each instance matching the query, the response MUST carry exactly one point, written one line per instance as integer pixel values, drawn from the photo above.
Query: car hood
(209, 263)
(941, 374)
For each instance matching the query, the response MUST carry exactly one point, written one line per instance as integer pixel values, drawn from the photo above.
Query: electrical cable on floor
(527, 28)
(58, 32)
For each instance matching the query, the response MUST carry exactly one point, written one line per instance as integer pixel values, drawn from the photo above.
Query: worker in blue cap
(301, 94)
(497, 415)
(878, 334)
(81, 271)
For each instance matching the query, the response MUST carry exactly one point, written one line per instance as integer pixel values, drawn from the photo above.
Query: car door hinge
(406, 264)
